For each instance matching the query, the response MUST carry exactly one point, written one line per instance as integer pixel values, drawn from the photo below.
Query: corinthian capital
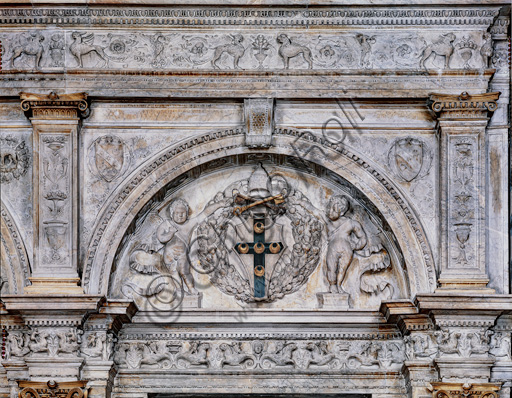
(464, 106)
(55, 106)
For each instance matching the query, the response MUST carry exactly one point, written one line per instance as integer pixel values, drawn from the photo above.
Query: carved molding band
(53, 105)
(464, 105)
(348, 16)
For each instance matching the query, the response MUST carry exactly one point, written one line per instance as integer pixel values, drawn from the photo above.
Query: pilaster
(420, 345)
(98, 343)
(55, 121)
(62, 339)
(463, 327)
(500, 348)
(44, 335)
(462, 122)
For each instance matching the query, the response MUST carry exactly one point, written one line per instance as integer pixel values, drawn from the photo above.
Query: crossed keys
(278, 199)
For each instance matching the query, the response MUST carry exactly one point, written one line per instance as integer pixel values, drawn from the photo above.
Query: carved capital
(464, 106)
(460, 390)
(51, 388)
(55, 106)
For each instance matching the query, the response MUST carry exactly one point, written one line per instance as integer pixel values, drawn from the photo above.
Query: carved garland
(104, 221)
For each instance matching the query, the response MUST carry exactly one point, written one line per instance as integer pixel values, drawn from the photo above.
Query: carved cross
(259, 248)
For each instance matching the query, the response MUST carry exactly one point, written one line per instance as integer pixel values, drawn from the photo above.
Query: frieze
(47, 342)
(260, 355)
(148, 50)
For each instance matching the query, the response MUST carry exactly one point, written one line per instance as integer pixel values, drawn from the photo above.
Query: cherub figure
(175, 249)
(345, 237)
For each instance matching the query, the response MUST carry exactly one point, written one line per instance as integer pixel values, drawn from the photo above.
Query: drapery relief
(259, 233)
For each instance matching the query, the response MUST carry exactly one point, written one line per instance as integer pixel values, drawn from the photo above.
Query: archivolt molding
(145, 182)
(11, 239)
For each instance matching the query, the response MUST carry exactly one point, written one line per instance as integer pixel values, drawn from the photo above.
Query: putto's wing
(374, 237)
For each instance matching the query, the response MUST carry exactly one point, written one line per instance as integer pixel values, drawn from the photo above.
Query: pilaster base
(59, 369)
(101, 376)
(464, 285)
(338, 301)
(192, 301)
(418, 375)
(44, 285)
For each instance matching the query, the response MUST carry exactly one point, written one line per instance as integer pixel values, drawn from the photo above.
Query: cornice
(250, 3)
(469, 304)
(244, 84)
(303, 15)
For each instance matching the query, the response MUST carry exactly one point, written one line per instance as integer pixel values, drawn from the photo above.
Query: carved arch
(130, 198)
(13, 254)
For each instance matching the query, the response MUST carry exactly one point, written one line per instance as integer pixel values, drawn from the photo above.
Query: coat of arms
(409, 158)
(260, 241)
(109, 157)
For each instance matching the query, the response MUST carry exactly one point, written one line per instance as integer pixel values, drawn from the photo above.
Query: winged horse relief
(83, 45)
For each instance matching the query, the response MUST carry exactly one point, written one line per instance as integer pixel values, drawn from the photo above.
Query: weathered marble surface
(364, 146)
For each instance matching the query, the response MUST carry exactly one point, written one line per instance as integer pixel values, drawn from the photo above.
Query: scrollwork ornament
(69, 389)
